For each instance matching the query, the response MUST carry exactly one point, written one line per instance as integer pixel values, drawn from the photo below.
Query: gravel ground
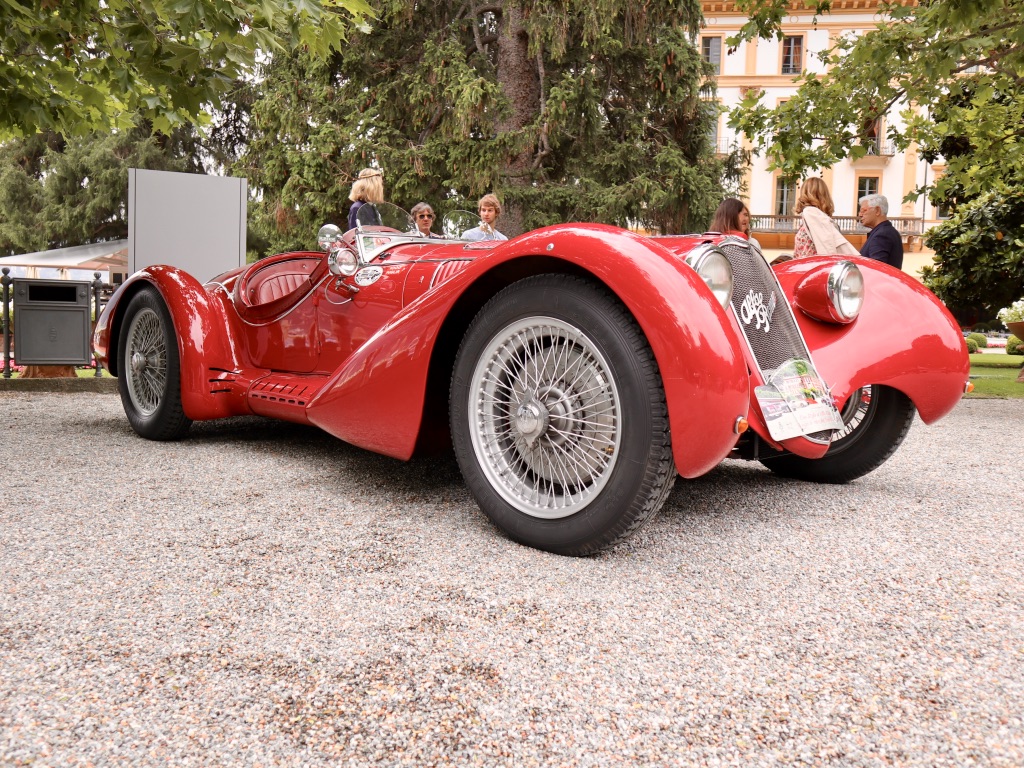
(261, 595)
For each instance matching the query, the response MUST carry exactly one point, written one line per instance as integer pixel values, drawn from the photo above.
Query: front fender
(201, 327)
(903, 338)
(376, 398)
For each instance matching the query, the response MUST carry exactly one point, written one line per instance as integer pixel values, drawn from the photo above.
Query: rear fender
(205, 340)
(903, 338)
(376, 399)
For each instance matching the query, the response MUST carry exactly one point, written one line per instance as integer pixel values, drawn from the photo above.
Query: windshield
(457, 222)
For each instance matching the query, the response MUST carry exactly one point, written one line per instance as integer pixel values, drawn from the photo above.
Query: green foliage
(56, 193)
(918, 56)
(1014, 346)
(972, 345)
(979, 339)
(94, 64)
(569, 111)
(981, 254)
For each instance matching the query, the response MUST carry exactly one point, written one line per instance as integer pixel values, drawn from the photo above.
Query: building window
(785, 196)
(792, 54)
(866, 185)
(711, 52)
(872, 138)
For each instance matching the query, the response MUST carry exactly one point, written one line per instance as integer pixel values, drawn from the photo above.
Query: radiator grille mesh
(754, 283)
(756, 287)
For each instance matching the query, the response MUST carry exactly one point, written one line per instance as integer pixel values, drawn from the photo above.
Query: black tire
(877, 419)
(150, 373)
(558, 416)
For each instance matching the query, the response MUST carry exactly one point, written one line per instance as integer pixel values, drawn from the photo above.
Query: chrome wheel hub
(138, 362)
(531, 421)
(545, 420)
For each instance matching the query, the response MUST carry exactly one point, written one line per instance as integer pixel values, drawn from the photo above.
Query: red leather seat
(267, 290)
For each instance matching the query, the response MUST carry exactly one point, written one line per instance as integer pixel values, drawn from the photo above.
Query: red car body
(287, 338)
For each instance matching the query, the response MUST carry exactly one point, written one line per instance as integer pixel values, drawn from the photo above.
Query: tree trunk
(520, 82)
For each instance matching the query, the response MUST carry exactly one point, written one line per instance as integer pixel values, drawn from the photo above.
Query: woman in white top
(817, 232)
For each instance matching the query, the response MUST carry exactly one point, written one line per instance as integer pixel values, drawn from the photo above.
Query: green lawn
(996, 376)
(82, 373)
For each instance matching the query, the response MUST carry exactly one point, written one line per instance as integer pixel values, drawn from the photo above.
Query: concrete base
(103, 385)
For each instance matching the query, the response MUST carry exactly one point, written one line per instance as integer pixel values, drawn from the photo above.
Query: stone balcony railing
(907, 226)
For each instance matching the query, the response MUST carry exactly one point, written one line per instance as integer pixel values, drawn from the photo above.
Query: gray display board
(186, 220)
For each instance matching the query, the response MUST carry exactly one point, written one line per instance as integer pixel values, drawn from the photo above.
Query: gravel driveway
(261, 595)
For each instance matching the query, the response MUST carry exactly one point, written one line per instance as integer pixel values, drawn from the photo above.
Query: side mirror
(328, 237)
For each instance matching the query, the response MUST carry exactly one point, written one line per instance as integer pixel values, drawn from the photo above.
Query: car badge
(753, 308)
(368, 276)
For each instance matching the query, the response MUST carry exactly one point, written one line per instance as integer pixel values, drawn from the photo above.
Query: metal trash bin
(52, 322)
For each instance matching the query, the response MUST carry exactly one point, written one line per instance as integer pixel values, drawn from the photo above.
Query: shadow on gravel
(733, 488)
(302, 443)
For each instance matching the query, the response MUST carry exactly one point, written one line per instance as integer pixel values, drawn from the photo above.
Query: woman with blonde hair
(817, 232)
(367, 190)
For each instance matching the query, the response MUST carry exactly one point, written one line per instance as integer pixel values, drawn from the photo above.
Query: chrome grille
(783, 341)
(755, 283)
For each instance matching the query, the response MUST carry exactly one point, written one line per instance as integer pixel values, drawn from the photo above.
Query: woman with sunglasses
(489, 209)
(423, 215)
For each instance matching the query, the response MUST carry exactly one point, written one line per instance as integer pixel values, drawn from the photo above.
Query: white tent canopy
(97, 257)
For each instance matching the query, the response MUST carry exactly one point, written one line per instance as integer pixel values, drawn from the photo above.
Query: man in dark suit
(884, 242)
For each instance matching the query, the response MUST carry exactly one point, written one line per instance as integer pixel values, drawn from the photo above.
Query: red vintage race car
(575, 370)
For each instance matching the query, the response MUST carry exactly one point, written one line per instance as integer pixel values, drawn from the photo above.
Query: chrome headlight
(845, 289)
(832, 293)
(341, 261)
(715, 270)
(328, 237)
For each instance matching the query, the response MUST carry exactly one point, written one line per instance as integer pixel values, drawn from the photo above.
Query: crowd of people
(368, 191)
(816, 233)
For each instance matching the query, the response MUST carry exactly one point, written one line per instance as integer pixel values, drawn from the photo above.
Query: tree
(77, 67)
(982, 251)
(57, 192)
(955, 69)
(569, 111)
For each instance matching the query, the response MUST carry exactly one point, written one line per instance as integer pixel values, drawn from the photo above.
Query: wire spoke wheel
(146, 362)
(148, 369)
(875, 420)
(546, 418)
(558, 416)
